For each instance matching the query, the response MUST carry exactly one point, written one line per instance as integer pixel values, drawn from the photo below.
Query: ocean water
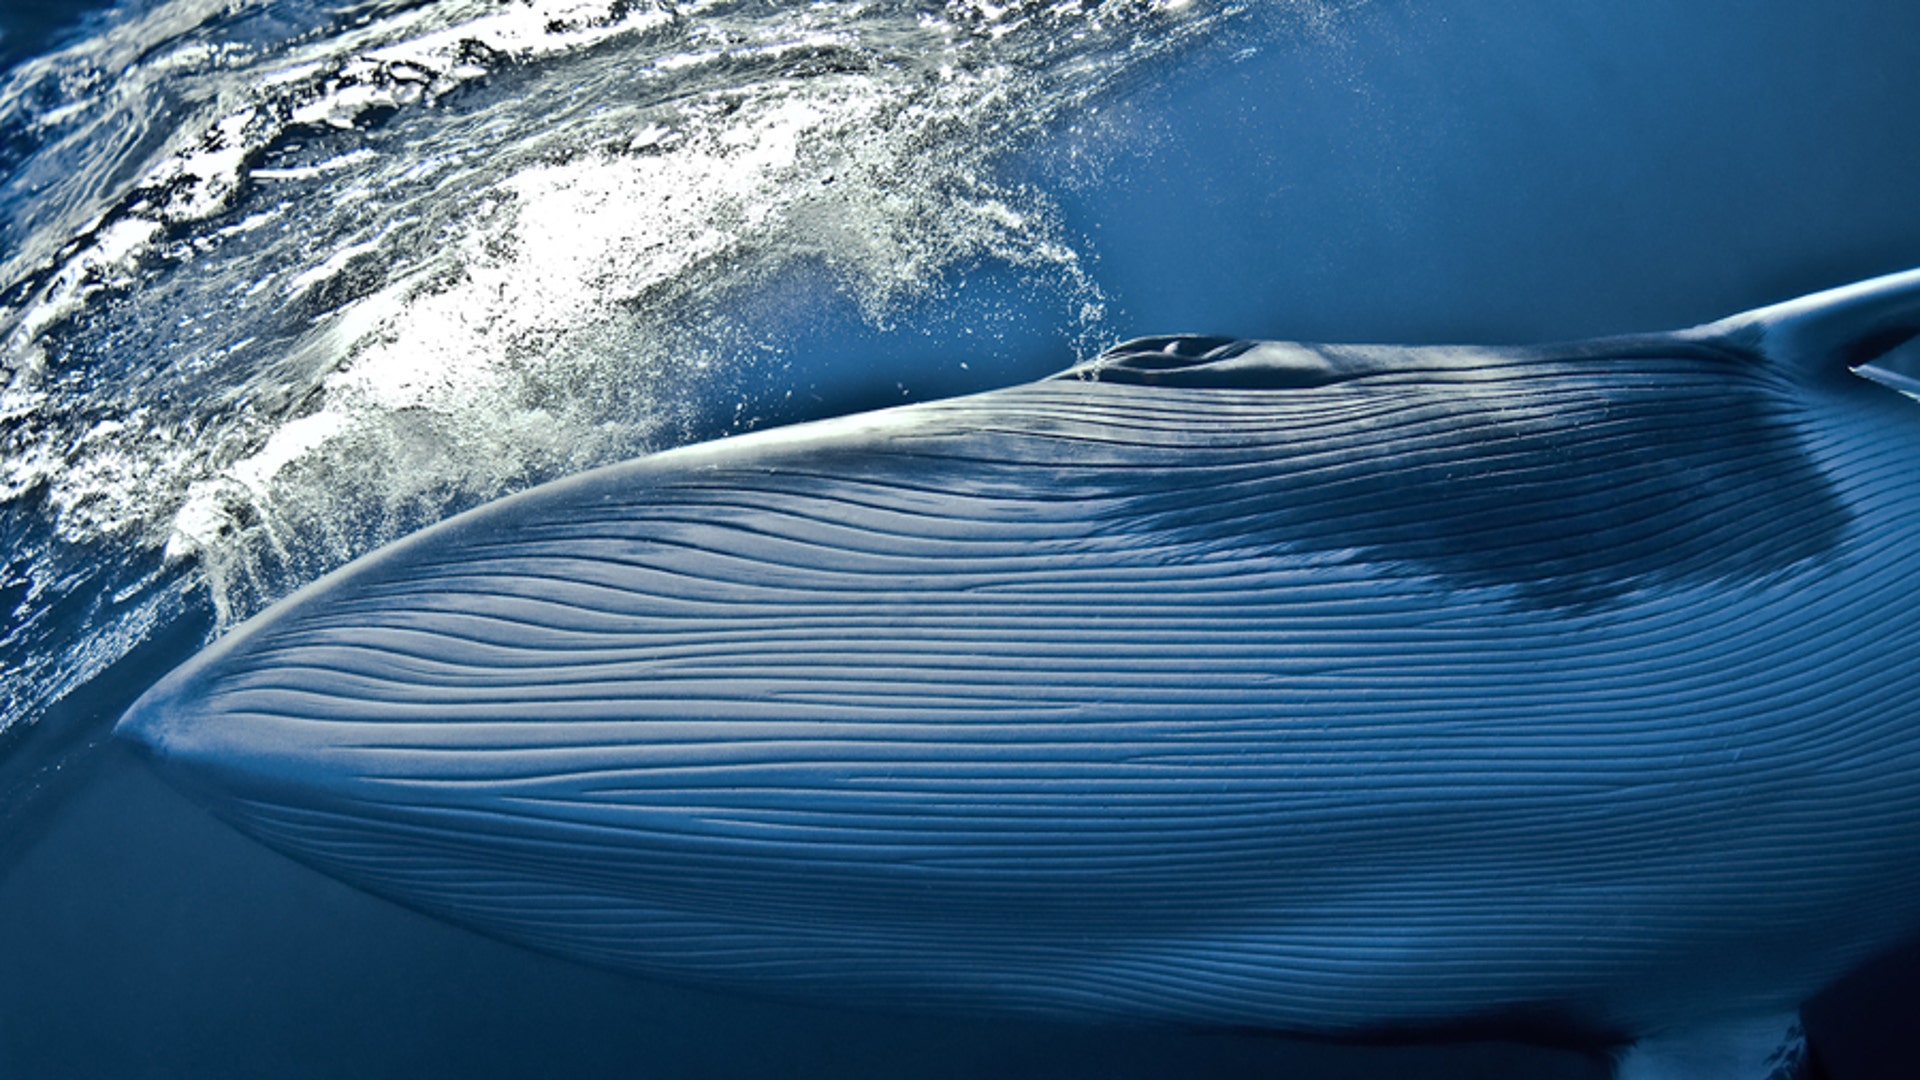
(282, 281)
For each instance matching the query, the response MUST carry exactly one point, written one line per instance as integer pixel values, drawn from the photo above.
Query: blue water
(29, 26)
(1390, 171)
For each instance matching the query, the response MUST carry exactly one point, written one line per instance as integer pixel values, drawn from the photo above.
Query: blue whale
(1330, 689)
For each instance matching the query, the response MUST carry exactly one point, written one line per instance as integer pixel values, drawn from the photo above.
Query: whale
(1568, 690)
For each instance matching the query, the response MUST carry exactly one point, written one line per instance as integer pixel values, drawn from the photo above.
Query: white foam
(207, 516)
(203, 178)
(279, 422)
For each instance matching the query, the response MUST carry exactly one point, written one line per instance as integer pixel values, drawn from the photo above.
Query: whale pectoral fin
(1833, 332)
(1771, 1047)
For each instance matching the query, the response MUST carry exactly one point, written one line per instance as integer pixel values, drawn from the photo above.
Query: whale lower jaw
(1232, 974)
(1444, 867)
(1200, 979)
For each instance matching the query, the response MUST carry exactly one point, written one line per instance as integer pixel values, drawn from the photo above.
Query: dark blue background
(27, 27)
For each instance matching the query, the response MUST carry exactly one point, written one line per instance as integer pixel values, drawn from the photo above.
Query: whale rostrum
(1326, 689)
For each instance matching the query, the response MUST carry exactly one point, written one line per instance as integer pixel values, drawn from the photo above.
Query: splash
(285, 281)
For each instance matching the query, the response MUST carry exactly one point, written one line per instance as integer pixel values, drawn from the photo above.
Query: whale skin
(1325, 689)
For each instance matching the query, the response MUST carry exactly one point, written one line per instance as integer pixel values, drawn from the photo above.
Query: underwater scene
(283, 282)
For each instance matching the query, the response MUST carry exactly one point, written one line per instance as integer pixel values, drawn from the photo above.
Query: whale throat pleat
(1212, 681)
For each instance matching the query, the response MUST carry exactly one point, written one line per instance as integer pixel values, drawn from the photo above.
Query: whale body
(1324, 689)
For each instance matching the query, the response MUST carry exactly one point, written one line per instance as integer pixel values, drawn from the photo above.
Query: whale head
(1315, 688)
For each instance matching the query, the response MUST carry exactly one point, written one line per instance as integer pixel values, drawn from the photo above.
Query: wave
(285, 281)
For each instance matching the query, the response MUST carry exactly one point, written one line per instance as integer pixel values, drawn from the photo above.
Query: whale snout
(216, 758)
(146, 726)
(170, 723)
(243, 730)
